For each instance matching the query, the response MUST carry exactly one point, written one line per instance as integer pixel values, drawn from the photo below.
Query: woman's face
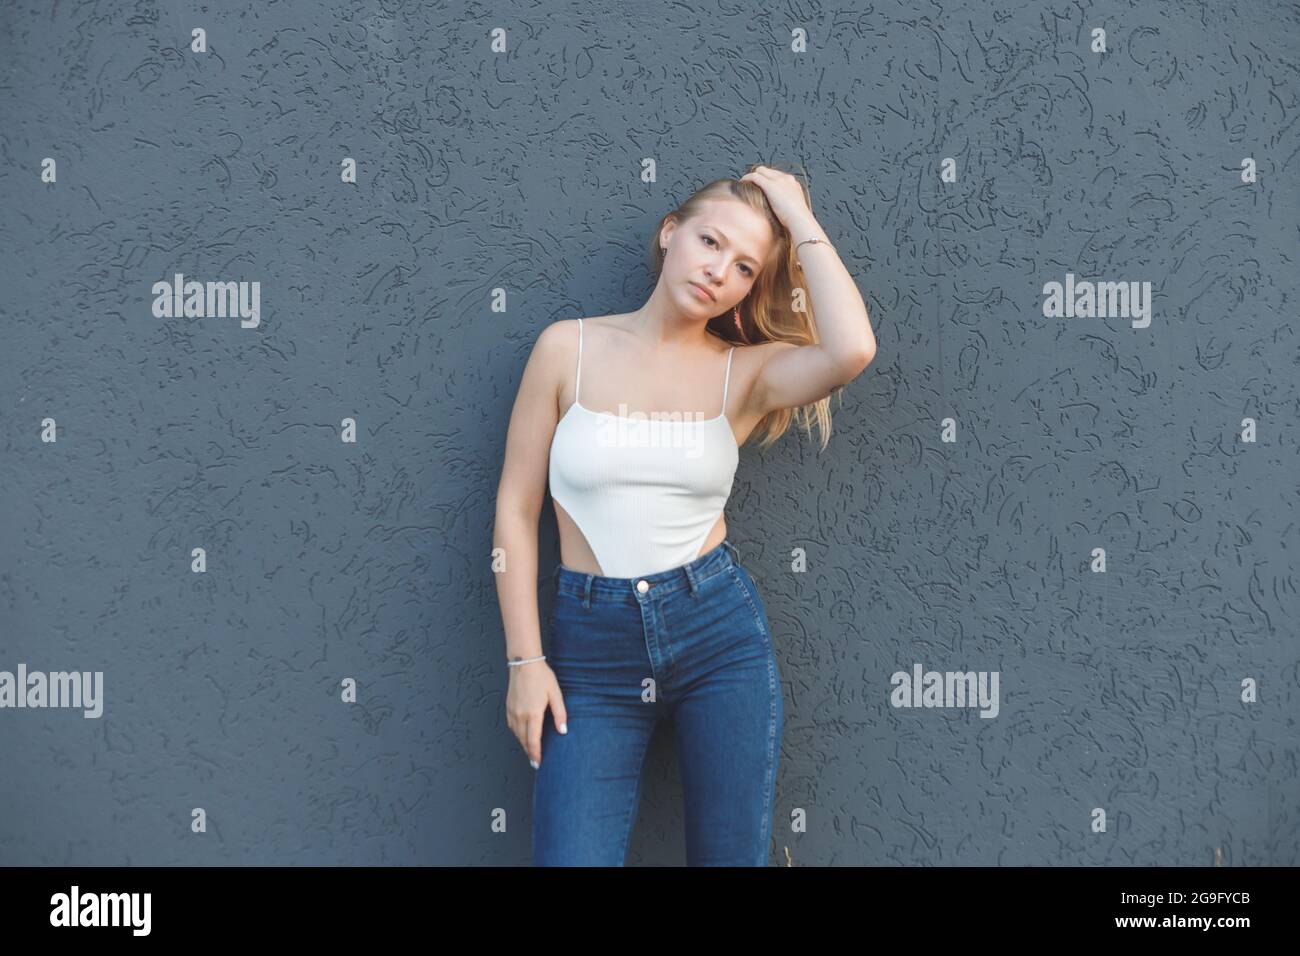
(720, 250)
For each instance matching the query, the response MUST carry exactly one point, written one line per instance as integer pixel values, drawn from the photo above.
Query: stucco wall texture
(1147, 714)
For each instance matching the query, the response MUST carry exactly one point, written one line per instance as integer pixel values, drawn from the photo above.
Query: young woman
(636, 421)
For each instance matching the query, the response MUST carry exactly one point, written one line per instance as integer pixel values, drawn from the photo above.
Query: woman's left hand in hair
(784, 194)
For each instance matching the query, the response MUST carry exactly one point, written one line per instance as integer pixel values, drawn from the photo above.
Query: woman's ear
(666, 230)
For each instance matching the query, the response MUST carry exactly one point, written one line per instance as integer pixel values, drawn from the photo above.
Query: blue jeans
(694, 647)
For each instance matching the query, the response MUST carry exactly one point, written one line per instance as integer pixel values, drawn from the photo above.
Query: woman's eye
(748, 271)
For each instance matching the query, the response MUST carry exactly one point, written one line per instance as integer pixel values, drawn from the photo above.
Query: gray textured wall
(521, 171)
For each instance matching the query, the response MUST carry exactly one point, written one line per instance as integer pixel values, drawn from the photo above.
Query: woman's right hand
(532, 689)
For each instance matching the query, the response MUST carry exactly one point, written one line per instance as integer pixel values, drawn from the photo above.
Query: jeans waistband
(591, 587)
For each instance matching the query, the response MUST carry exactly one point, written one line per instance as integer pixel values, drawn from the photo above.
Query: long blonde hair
(767, 314)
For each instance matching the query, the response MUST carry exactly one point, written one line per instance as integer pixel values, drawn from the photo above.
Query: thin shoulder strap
(577, 381)
(727, 381)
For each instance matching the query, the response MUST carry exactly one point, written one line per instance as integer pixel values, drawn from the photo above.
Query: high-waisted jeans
(691, 645)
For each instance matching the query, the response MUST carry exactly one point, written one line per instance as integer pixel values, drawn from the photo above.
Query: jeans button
(643, 585)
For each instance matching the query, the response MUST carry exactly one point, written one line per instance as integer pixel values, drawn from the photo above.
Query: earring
(736, 313)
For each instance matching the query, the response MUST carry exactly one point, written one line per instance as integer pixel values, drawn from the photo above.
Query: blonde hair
(766, 313)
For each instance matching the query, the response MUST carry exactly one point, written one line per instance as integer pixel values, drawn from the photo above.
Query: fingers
(528, 728)
(534, 746)
(765, 176)
(522, 727)
(770, 173)
(558, 713)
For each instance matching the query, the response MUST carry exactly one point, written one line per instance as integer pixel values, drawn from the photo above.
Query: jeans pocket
(744, 583)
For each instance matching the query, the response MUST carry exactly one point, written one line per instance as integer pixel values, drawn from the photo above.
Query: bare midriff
(576, 553)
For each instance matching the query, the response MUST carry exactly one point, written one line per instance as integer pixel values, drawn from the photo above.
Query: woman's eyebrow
(743, 255)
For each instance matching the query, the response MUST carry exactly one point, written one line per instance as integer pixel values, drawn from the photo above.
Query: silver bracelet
(527, 660)
(801, 242)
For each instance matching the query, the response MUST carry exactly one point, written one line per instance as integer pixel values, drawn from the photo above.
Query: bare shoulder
(555, 352)
(558, 342)
(562, 334)
(552, 354)
(557, 338)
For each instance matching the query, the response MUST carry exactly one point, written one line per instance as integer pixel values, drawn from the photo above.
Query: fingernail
(564, 728)
(533, 762)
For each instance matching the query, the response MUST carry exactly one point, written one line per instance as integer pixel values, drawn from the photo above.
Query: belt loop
(586, 593)
(690, 579)
(735, 555)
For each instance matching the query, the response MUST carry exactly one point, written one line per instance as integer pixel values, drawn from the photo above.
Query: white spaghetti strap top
(645, 491)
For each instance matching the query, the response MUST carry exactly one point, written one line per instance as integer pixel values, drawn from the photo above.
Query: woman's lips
(700, 293)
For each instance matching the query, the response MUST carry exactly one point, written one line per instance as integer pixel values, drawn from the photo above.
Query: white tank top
(645, 491)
